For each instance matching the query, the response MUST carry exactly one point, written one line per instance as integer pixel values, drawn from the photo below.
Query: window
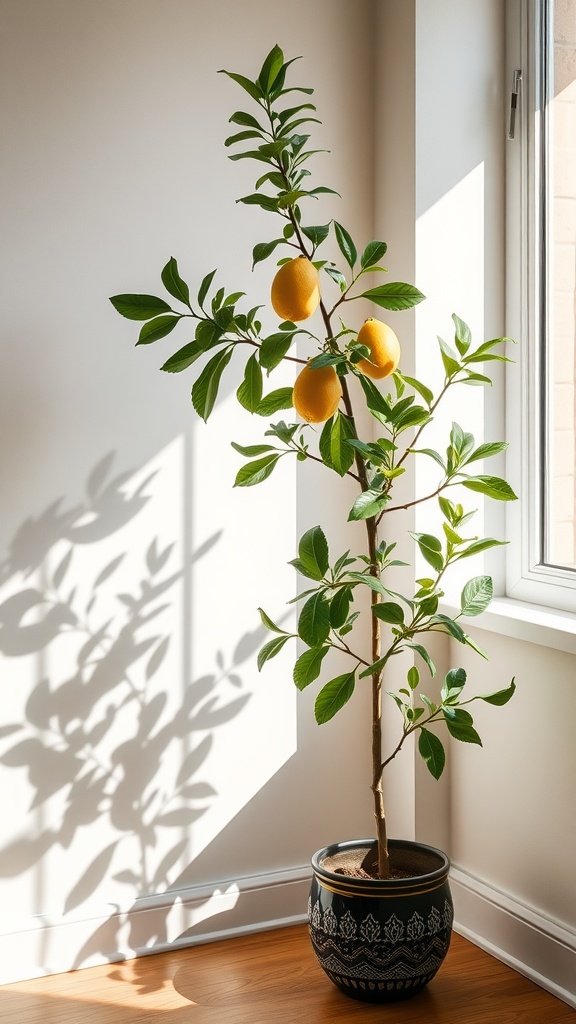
(541, 243)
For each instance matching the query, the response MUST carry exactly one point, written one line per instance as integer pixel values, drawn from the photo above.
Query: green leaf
(421, 388)
(501, 697)
(326, 359)
(223, 318)
(271, 649)
(455, 679)
(431, 454)
(249, 394)
(158, 328)
(413, 417)
(253, 449)
(333, 696)
(491, 486)
(475, 379)
(345, 244)
(458, 723)
(313, 553)
(274, 348)
(322, 190)
(205, 389)
(428, 606)
(276, 179)
(375, 401)
(278, 86)
(375, 668)
(314, 620)
(284, 116)
(284, 431)
(317, 233)
(263, 250)
(276, 400)
(309, 665)
(139, 307)
(242, 137)
(463, 336)
(432, 752)
(338, 277)
(205, 285)
(335, 449)
(413, 677)
(184, 357)
(389, 611)
(432, 708)
(475, 647)
(454, 538)
(207, 333)
(476, 546)
(485, 451)
(252, 88)
(255, 472)
(451, 626)
(369, 503)
(368, 580)
(394, 295)
(286, 199)
(340, 607)
(267, 621)
(476, 595)
(425, 657)
(431, 549)
(258, 199)
(372, 254)
(449, 359)
(270, 69)
(174, 284)
(461, 441)
(242, 118)
(232, 299)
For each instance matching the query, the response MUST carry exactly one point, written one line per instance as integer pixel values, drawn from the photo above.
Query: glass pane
(561, 540)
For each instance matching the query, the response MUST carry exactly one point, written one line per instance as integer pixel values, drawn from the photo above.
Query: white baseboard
(175, 919)
(522, 937)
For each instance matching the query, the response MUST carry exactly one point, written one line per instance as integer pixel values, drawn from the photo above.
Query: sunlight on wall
(247, 570)
(451, 276)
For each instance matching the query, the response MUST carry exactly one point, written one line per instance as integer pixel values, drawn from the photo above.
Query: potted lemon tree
(380, 909)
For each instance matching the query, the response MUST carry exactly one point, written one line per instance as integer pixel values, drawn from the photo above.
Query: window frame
(528, 318)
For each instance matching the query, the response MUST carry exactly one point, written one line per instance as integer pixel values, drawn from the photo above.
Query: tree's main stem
(372, 536)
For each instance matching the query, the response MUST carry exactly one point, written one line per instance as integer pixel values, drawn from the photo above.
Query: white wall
(150, 778)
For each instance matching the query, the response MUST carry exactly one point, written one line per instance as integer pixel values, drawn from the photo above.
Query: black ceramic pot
(381, 940)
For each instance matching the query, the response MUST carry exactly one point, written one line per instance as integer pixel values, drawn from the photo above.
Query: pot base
(380, 991)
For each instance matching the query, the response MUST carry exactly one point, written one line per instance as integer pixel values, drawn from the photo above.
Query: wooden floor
(272, 978)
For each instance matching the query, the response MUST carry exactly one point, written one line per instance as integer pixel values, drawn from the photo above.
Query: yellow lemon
(317, 393)
(296, 290)
(384, 349)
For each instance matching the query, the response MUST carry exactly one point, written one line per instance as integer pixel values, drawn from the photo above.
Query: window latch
(516, 80)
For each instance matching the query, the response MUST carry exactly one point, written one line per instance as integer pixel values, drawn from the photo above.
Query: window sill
(522, 621)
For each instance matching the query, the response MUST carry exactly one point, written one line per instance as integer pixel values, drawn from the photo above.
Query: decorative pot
(380, 940)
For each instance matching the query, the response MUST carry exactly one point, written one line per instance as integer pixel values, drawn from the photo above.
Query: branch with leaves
(327, 616)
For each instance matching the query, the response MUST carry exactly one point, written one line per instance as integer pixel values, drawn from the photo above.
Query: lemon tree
(275, 133)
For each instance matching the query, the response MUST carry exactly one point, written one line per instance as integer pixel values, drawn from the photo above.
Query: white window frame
(528, 577)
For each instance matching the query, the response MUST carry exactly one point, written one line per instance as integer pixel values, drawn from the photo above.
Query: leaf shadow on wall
(99, 726)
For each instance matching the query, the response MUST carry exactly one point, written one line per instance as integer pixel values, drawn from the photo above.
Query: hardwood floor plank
(273, 978)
